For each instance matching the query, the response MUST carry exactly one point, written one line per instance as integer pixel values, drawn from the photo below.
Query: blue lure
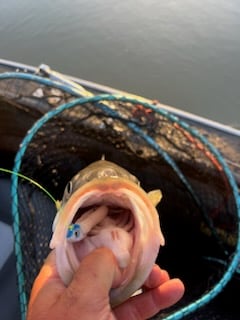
(74, 232)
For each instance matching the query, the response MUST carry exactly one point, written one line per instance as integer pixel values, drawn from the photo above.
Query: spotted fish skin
(106, 206)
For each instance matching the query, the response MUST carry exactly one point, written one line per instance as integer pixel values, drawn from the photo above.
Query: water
(183, 53)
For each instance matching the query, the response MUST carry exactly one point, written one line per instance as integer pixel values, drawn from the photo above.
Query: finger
(48, 283)
(156, 278)
(94, 278)
(151, 302)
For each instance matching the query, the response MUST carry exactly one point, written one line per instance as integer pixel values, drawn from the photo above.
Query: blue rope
(38, 79)
(236, 258)
(18, 250)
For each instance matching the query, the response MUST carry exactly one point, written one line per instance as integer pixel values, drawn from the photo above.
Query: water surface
(183, 53)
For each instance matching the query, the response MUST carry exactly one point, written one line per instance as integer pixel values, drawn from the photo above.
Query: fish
(103, 205)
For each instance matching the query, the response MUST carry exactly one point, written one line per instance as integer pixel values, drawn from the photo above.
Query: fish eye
(69, 188)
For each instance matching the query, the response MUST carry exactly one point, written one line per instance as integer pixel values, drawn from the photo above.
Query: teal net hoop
(126, 129)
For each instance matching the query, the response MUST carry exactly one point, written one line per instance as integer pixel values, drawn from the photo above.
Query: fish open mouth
(108, 222)
(115, 214)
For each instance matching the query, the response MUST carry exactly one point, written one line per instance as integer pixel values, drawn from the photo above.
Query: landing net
(199, 211)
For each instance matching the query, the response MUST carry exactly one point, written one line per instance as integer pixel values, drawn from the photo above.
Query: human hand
(87, 296)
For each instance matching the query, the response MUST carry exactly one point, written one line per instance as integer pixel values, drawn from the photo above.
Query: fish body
(106, 206)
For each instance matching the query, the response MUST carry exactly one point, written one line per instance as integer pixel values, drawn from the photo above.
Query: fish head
(97, 170)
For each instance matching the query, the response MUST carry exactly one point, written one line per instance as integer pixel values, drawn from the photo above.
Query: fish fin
(162, 239)
(155, 196)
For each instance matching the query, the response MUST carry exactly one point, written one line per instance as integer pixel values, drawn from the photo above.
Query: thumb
(97, 274)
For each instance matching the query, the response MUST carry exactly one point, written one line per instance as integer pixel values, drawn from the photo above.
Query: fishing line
(31, 181)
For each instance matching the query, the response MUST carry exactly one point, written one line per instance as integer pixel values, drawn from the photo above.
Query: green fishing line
(33, 182)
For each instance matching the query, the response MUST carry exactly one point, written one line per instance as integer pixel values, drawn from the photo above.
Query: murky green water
(184, 53)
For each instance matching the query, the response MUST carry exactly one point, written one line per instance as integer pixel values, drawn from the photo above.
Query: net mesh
(199, 210)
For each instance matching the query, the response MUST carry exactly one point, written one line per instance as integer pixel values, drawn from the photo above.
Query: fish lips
(146, 234)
